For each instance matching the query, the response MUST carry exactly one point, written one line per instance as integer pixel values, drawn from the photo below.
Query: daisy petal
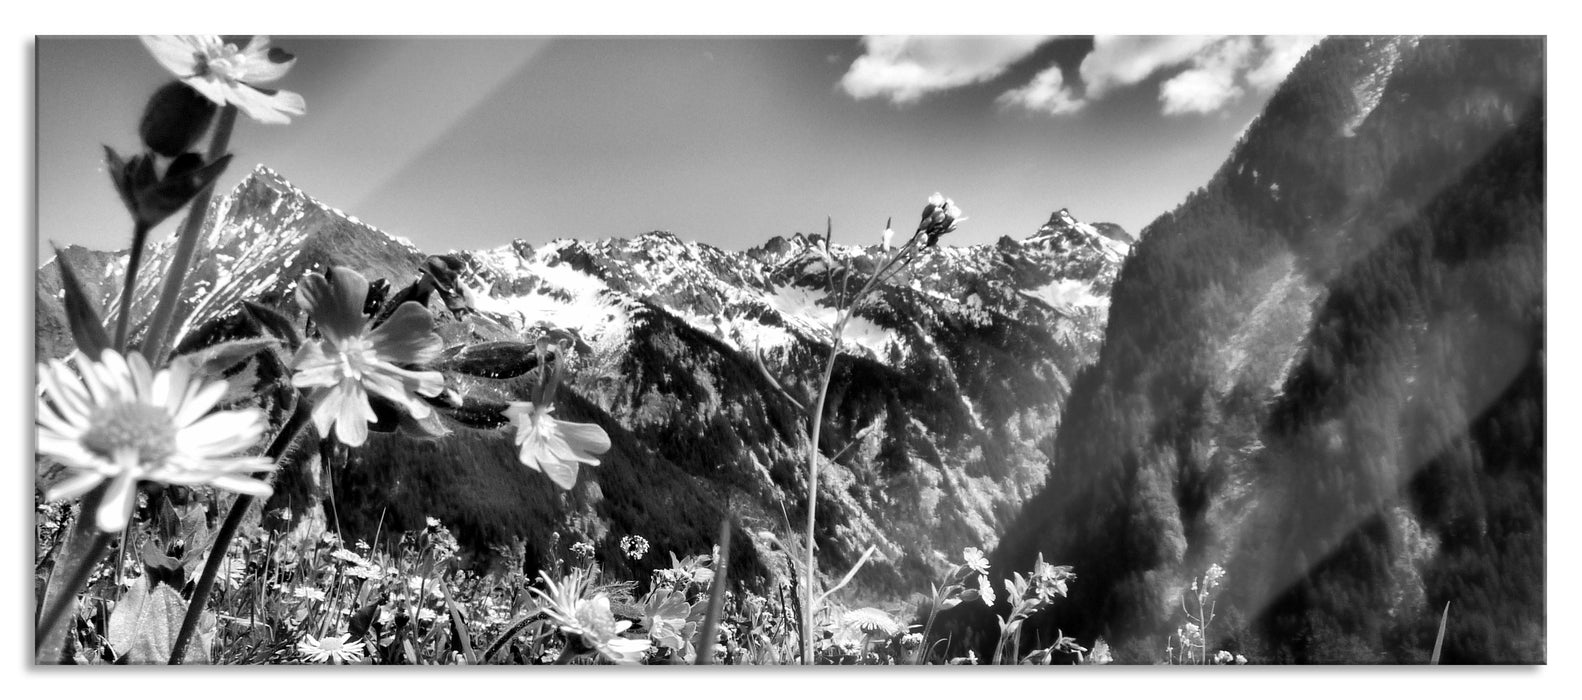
(73, 486)
(119, 500)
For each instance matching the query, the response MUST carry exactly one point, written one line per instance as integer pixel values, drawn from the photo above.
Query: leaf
(478, 413)
(501, 359)
(214, 361)
(144, 625)
(274, 323)
(87, 326)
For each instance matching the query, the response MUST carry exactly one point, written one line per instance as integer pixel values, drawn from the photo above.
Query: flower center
(227, 66)
(356, 356)
(139, 428)
(331, 645)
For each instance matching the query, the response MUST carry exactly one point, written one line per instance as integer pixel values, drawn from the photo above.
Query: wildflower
(426, 615)
(229, 75)
(887, 237)
(330, 539)
(583, 549)
(912, 640)
(366, 571)
(350, 361)
(124, 423)
(308, 593)
(335, 650)
(1241, 660)
(940, 216)
(665, 613)
(1212, 578)
(433, 523)
(555, 447)
(599, 629)
(986, 591)
(872, 622)
(634, 546)
(975, 560)
(1223, 657)
(349, 557)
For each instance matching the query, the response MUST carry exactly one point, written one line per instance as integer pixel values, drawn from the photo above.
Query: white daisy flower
(122, 422)
(229, 75)
(335, 650)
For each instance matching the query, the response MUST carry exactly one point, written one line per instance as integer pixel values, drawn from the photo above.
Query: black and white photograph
(951, 349)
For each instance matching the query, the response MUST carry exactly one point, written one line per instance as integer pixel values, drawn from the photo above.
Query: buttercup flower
(350, 361)
(555, 447)
(228, 75)
(123, 422)
(335, 650)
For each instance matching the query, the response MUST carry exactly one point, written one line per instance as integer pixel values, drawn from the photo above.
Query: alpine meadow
(1296, 417)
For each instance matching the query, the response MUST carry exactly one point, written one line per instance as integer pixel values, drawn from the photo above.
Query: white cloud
(1119, 61)
(1211, 81)
(1283, 53)
(1046, 92)
(907, 68)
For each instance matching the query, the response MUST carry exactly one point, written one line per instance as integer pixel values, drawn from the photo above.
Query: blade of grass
(1440, 640)
(711, 622)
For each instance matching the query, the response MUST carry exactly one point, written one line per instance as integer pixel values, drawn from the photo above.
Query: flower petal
(407, 336)
(258, 68)
(335, 302)
(276, 108)
(178, 54)
(199, 403)
(586, 438)
(221, 434)
(119, 500)
(314, 367)
(564, 474)
(351, 425)
(79, 483)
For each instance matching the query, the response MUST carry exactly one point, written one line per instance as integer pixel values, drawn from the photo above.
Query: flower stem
(186, 245)
(808, 592)
(222, 542)
(133, 261)
(48, 640)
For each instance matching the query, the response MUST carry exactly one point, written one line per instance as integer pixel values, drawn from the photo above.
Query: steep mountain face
(702, 361)
(1324, 371)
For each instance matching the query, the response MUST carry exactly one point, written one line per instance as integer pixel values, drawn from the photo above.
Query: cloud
(1211, 81)
(905, 69)
(1120, 61)
(1201, 74)
(1283, 53)
(1046, 92)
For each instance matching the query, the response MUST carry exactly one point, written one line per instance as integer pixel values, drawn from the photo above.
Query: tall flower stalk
(939, 217)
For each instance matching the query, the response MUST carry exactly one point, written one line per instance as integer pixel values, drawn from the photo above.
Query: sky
(467, 142)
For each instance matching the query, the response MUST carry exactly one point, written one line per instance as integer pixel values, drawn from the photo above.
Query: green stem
(222, 543)
(186, 245)
(133, 262)
(48, 638)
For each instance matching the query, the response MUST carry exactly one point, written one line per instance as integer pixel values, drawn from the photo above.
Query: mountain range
(700, 363)
(1323, 372)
